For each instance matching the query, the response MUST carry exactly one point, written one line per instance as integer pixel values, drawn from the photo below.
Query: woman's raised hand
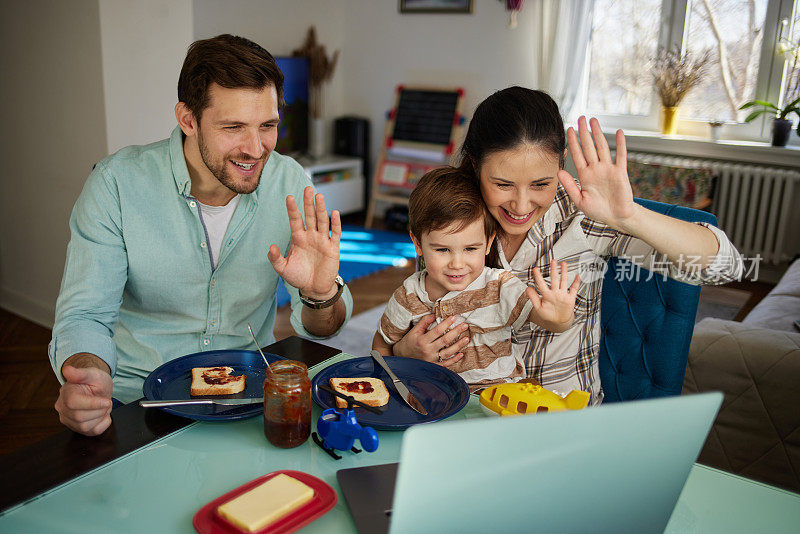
(605, 191)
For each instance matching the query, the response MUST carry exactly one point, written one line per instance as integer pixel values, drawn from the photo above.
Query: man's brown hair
(229, 61)
(446, 196)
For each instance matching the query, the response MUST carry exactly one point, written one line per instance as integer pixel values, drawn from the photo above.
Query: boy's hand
(555, 309)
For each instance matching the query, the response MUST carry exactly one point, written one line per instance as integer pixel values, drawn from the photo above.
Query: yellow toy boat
(522, 398)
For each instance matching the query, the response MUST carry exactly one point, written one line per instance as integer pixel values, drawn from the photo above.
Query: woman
(515, 149)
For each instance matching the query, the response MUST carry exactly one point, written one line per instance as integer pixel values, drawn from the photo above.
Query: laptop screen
(614, 468)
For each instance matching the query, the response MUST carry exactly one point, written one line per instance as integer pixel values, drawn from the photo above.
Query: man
(170, 241)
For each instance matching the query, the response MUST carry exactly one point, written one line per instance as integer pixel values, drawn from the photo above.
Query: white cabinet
(340, 180)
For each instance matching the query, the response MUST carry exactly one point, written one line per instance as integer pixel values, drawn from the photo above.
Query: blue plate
(440, 391)
(173, 381)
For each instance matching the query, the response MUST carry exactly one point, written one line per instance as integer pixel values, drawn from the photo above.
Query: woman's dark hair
(509, 118)
(229, 61)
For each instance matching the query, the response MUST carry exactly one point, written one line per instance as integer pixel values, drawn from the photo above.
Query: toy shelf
(339, 179)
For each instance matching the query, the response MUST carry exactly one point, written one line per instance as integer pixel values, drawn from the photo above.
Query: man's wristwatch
(320, 304)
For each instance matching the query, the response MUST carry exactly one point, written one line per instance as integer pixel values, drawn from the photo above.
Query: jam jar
(287, 404)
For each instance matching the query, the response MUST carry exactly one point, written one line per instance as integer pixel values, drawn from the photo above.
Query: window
(741, 36)
(790, 47)
(619, 74)
(732, 30)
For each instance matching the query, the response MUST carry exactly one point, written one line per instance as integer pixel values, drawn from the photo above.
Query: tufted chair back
(646, 325)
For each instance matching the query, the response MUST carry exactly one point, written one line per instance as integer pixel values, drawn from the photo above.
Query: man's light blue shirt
(139, 288)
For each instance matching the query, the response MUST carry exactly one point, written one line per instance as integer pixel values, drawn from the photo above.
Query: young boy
(453, 232)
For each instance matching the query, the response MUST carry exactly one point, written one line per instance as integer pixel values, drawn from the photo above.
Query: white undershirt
(216, 219)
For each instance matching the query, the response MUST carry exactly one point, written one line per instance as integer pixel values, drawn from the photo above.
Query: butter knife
(410, 399)
(179, 402)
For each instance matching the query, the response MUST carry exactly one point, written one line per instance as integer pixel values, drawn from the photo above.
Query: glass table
(161, 485)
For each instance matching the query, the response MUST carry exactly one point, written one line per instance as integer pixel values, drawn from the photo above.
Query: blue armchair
(646, 326)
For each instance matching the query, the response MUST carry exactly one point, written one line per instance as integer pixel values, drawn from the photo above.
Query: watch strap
(321, 304)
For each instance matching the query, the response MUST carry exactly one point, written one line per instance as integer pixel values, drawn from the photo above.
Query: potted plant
(781, 124)
(675, 74)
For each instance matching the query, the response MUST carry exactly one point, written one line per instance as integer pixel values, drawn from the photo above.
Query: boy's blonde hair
(445, 196)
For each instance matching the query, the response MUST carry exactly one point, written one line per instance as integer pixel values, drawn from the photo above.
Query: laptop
(614, 468)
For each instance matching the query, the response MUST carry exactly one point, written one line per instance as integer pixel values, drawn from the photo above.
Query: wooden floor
(758, 290)
(28, 387)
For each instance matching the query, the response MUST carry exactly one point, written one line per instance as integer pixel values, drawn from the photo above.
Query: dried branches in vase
(320, 65)
(676, 73)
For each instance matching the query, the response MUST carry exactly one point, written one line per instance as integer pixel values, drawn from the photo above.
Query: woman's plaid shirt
(569, 360)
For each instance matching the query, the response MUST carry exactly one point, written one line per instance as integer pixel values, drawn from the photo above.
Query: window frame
(673, 31)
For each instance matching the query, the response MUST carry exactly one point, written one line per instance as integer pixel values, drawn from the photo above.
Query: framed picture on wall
(435, 6)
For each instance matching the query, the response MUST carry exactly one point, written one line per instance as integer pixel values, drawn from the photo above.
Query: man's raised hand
(312, 261)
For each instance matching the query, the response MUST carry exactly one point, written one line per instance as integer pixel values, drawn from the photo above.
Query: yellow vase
(669, 120)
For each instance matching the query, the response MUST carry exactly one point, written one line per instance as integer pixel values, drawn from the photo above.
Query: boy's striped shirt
(494, 305)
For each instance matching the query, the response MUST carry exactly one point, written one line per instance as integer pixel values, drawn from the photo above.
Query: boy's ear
(489, 244)
(417, 246)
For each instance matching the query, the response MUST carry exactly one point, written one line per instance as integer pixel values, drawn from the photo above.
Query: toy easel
(421, 133)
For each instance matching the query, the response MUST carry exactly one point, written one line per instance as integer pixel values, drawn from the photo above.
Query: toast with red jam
(370, 391)
(215, 381)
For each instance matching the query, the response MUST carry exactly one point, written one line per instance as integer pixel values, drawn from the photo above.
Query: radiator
(754, 204)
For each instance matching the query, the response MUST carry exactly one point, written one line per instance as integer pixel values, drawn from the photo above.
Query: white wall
(52, 132)
(477, 52)
(381, 48)
(80, 79)
(143, 46)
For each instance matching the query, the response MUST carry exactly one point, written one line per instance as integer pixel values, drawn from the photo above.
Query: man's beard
(220, 171)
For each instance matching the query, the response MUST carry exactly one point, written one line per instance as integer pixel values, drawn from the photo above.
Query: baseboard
(27, 308)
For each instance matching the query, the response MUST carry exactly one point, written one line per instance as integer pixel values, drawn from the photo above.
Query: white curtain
(564, 29)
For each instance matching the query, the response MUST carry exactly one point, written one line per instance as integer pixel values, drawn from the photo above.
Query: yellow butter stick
(266, 503)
